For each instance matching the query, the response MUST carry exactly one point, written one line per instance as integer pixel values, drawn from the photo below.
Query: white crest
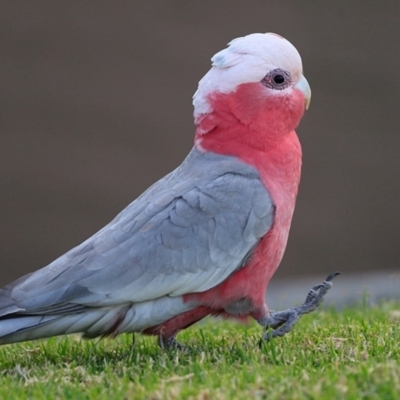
(246, 59)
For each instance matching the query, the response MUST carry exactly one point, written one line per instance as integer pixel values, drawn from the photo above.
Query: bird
(205, 239)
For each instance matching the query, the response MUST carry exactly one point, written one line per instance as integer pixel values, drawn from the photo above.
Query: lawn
(349, 354)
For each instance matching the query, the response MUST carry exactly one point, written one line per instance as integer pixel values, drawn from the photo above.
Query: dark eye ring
(278, 79)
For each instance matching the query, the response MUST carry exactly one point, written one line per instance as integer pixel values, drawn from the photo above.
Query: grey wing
(187, 233)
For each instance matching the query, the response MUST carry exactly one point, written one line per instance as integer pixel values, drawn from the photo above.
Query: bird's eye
(277, 79)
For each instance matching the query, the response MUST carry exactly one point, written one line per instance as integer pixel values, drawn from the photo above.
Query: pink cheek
(248, 101)
(297, 105)
(258, 107)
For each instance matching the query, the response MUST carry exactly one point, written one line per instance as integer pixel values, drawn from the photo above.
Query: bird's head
(258, 81)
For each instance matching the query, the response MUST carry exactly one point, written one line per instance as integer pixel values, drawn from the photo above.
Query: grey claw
(170, 343)
(282, 322)
(316, 295)
(332, 275)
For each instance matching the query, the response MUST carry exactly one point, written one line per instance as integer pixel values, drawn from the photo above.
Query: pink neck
(262, 137)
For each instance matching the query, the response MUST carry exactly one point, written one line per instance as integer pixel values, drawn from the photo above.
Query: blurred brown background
(96, 105)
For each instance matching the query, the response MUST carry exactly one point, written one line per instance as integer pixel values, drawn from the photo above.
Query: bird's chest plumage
(281, 177)
(280, 173)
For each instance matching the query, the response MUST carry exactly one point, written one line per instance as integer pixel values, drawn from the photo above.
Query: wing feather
(186, 233)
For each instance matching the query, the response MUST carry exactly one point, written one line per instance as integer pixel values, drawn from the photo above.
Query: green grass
(351, 354)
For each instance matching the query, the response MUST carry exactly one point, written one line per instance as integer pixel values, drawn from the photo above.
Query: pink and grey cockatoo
(205, 239)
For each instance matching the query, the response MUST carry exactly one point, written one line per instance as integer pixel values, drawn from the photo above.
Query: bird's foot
(281, 322)
(170, 343)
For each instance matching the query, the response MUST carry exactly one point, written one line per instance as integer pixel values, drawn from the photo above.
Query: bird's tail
(94, 322)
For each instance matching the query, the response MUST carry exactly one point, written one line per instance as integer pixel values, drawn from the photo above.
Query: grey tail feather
(93, 322)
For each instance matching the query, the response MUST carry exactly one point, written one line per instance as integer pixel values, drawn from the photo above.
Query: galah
(205, 239)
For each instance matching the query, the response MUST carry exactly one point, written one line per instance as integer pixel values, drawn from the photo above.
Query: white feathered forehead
(247, 59)
(267, 47)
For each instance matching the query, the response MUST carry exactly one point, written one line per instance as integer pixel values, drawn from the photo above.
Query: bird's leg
(281, 322)
(170, 342)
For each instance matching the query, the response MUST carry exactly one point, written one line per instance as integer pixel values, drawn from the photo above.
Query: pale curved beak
(304, 87)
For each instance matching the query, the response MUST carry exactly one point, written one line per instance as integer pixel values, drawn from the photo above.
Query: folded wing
(187, 233)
